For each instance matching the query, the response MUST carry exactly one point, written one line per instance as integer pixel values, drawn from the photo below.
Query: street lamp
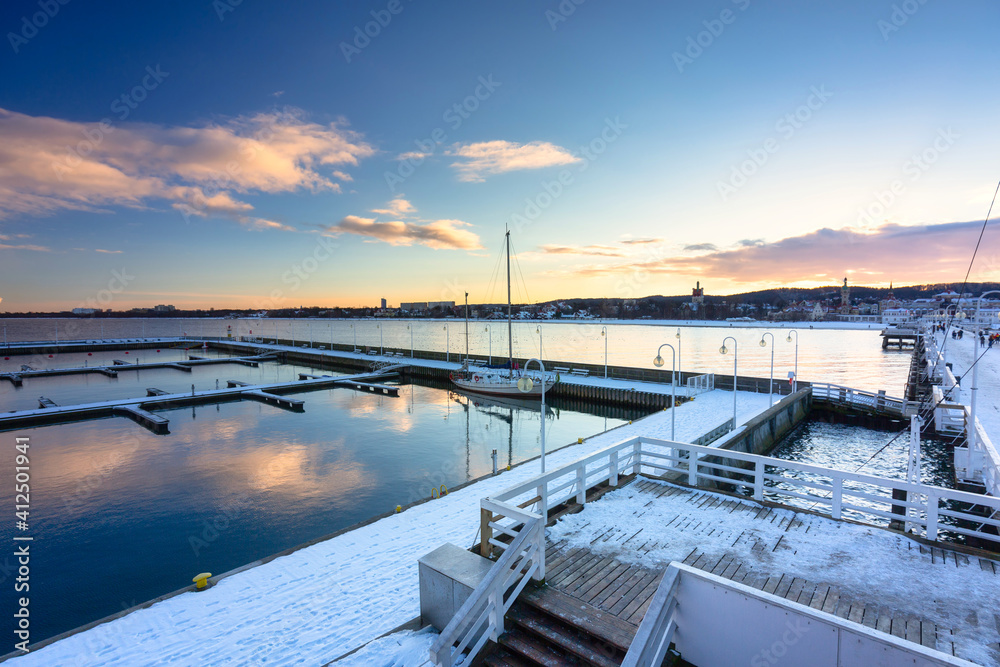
(525, 384)
(678, 337)
(975, 371)
(770, 384)
(538, 330)
(604, 334)
(736, 358)
(795, 377)
(354, 333)
(410, 328)
(489, 332)
(447, 343)
(658, 362)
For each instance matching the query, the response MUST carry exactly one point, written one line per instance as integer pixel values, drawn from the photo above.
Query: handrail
(480, 618)
(651, 641)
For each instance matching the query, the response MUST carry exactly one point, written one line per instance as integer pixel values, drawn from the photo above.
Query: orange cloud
(914, 254)
(496, 157)
(436, 234)
(48, 164)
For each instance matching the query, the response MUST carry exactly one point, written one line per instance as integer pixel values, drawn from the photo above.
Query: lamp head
(789, 339)
(525, 384)
(723, 349)
(763, 343)
(658, 362)
(603, 331)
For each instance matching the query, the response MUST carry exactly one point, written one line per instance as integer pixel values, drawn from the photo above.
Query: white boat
(509, 380)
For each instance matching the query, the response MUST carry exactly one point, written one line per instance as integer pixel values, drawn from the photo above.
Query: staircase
(546, 627)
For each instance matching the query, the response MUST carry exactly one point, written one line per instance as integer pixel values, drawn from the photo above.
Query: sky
(244, 154)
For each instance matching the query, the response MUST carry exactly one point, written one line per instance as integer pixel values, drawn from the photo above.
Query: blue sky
(264, 155)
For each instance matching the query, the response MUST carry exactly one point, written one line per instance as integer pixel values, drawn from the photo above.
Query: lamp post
(770, 384)
(538, 330)
(736, 358)
(525, 384)
(410, 329)
(489, 333)
(795, 376)
(678, 337)
(379, 327)
(447, 343)
(604, 334)
(975, 370)
(354, 333)
(658, 362)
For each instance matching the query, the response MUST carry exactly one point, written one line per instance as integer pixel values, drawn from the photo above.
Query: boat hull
(505, 389)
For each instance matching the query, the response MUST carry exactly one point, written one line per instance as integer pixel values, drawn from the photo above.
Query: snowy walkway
(961, 354)
(618, 547)
(322, 601)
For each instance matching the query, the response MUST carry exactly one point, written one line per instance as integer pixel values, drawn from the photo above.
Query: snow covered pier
(139, 409)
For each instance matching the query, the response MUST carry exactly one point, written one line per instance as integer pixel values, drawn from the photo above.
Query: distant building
(413, 305)
(440, 304)
(85, 311)
(845, 299)
(163, 309)
(698, 293)
(383, 304)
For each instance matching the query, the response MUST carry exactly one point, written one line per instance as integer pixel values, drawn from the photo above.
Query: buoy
(126, 351)
(90, 354)
(201, 581)
(6, 358)
(157, 351)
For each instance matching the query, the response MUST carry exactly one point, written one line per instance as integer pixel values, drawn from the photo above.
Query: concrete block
(448, 575)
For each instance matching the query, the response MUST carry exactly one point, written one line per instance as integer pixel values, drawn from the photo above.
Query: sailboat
(503, 380)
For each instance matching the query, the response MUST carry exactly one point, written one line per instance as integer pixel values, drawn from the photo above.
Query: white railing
(835, 393)
(699, 384)
(652, 640)
(481, 618)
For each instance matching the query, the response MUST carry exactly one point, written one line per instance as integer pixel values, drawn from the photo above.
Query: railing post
(581, 485)
(496, 610)
(540, 537)
(485, 516)
(613, 476)
(838, 494)
(932, 517)
(637, 458)
(758, 480)
(692, 468)
(542, 493)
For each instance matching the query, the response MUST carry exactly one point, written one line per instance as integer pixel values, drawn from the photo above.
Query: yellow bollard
(201, 581)
(508, 466)
(579, 441)
(399, 508)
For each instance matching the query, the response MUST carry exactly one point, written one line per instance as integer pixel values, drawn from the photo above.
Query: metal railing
(652, 640)
(701, 383)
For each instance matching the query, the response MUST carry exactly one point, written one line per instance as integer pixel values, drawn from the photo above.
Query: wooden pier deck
(118, 365)
(617, 571)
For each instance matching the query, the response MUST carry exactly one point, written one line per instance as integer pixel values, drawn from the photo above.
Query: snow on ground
(401, 649)
(322, 601)
(867, 563)
(961, 354)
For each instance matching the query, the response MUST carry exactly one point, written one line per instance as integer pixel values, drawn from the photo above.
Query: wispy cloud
(640, 241)
(108, 252)
(479, 160)
(701, 247)
(33, 248)
(398, 207)
(927, 253)
(205, 168)
(592, 250)
(436, 234)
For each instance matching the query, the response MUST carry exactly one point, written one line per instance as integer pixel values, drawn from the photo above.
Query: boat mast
(466, 328)
(510, 327)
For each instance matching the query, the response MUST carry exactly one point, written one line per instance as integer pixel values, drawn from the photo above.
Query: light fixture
(525, 384)
(658, 361)
(763, 343)
(723, 349)
(789, 339)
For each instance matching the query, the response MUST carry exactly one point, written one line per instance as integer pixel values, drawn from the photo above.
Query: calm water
(841, 356)
(120, 515)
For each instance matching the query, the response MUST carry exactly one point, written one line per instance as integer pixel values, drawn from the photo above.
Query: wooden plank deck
(625, 589)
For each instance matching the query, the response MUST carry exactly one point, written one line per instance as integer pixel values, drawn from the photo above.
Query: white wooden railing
(481, 618)
(652, 640)
(835, 393)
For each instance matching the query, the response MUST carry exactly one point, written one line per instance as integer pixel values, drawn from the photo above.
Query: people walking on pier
(982, 339)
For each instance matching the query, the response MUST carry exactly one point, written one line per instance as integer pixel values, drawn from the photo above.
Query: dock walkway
(612, 556)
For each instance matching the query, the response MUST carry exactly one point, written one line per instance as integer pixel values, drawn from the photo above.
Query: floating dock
(119, 365)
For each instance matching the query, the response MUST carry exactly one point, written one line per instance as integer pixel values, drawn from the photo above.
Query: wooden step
(501, 657)
(589, 650)
(534, 649)
(576, 613)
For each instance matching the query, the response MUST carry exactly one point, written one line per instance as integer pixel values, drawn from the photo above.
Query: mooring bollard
(201, 581)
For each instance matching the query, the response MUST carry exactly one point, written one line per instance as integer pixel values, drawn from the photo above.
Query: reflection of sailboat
(501, 380)
(507, 403)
